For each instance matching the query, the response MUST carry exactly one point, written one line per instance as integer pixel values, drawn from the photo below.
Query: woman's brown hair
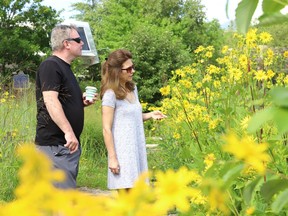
(110, 73)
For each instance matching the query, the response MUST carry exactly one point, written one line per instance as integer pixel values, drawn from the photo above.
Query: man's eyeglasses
(129, 69)
(77, 40)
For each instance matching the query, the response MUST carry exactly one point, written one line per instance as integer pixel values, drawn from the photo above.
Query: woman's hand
(114, 165)
(157, 115)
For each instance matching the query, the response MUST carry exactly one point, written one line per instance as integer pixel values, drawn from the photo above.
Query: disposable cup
(90, 92)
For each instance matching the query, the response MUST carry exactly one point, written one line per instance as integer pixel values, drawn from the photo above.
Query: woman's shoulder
(109, 93)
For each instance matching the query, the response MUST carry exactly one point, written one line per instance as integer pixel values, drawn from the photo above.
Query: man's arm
(57, 114)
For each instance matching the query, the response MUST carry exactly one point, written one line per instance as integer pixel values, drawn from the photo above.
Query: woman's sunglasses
(129, 69)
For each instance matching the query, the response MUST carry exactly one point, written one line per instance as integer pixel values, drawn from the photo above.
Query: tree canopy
(24, 31)
(161, 34)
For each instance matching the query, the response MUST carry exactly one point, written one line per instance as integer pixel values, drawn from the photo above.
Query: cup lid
(90, 87)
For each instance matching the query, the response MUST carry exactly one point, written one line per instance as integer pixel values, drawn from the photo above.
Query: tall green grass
(93, 165)
(17, 113)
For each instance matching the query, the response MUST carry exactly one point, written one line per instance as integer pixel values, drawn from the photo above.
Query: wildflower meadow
(223, 147)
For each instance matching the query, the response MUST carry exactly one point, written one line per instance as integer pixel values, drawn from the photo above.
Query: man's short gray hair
(59, 34)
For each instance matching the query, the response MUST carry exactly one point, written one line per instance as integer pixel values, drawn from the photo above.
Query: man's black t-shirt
(54, 74)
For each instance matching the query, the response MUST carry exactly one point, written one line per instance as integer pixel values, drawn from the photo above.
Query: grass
(93, 174)
(17, 111)
(18, 122)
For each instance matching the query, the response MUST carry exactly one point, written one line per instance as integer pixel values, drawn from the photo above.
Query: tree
(157, 53)
(162, 35)
(24, 31)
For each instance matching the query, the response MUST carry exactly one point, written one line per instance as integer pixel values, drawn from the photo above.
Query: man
(60, 104)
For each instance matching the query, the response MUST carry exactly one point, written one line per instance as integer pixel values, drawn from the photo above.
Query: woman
(122, 120)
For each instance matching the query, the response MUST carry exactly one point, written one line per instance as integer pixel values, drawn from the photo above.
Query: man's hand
(71, 142)
(88, 102)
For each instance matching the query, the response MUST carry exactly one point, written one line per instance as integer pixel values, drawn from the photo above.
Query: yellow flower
(165, 90)
(144, 105)
(207, 78)
(244, 122)
(243, 61)
(250, 210)
(213, 124)
(212, 69)
(198, 85)
(14, 134)
(192, 71)
(235, 74)
(208, 54)
(210, 48)
(285, 54)
(253, 154)
(186, 83)
(209, 160)
(224, 49)
(270, 74)
(180, 73)
(217, 84)
(251, 36)
(6, 94)
(176, 135)
(270, 53)
(172, 189)
(197, 197)
(135, 201)
(199, 49)
(265, 37)
(285, 80)
(217, 200)
(223, 79)
(260, 75)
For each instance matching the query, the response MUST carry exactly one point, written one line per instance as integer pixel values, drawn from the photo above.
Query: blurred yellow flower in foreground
(172, 188)
(246, 149)
(218, 201)
(36, 194)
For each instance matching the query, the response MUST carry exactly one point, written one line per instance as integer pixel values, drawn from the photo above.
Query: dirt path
(94, 191)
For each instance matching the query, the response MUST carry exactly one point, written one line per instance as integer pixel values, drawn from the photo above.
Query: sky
(215, 9)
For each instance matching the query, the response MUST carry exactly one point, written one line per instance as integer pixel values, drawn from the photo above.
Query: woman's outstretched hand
(157, 115)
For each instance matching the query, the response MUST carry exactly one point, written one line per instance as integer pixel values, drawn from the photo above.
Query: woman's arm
(107, 121)
(154, 115)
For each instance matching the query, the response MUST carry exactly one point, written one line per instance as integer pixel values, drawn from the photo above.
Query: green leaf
(270, 19)
(270, 7)
(244, 13)
(280, 202)
(281, 119)
(249, 190)
(232, 173)
(260, 118)
(280, 96)
(272, 187)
